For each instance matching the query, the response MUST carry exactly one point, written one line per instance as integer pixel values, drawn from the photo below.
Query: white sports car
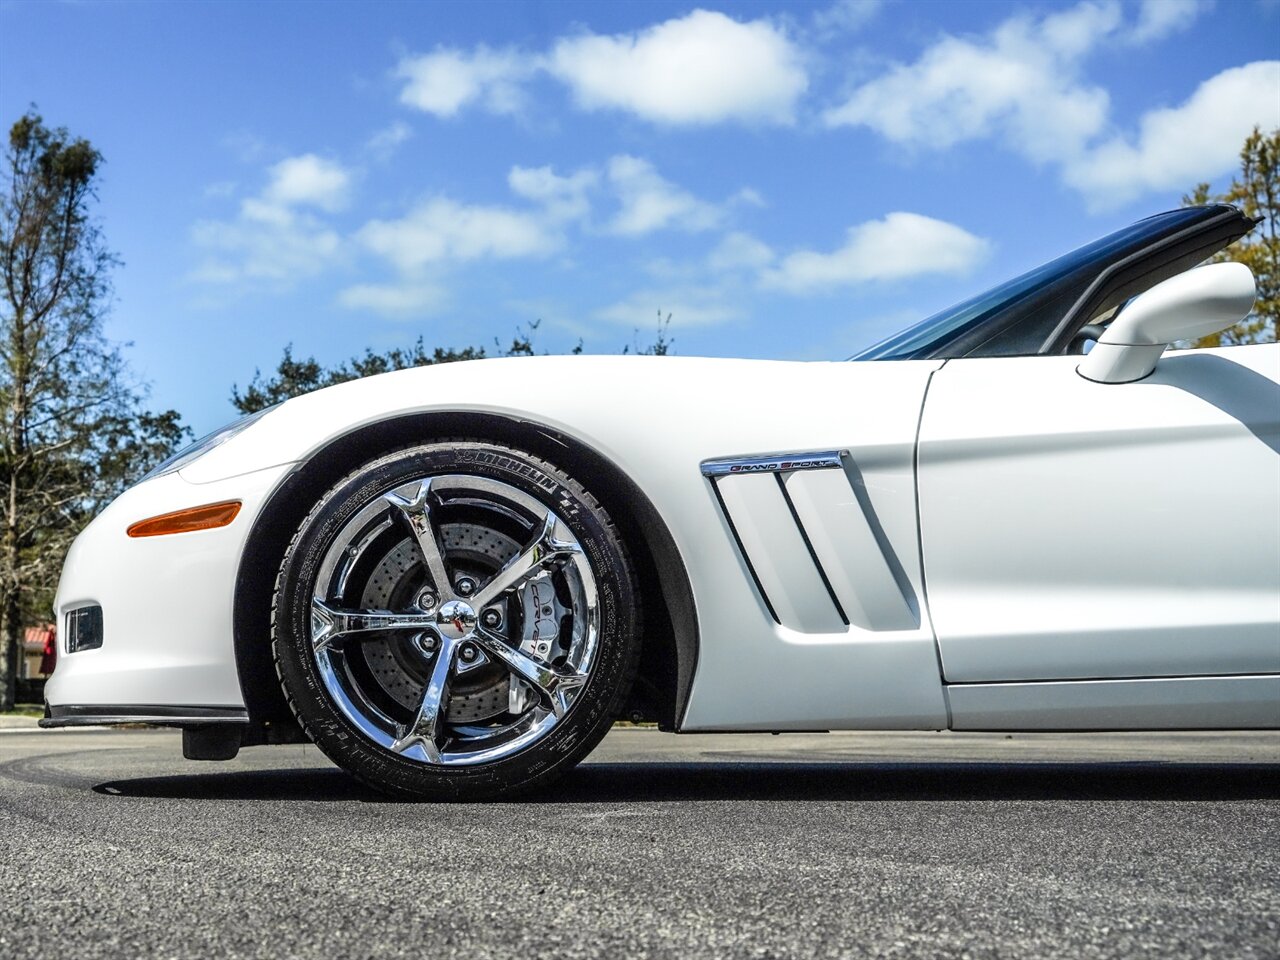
(1018, 514)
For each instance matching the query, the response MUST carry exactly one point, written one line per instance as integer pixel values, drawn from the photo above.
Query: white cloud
(1178, 146)
(441, 234)
(845, 16)
(449, 79)
(701, 68)
(689, 306)
(435, 235)
(734, 262)
(407, 299)
(898, 246)
(278, 248)
(1026, 85)
(385, 141)
(308, 180)
(711, 290)
(646, 200)
(1158, 19)
(563, 198)
(739, 251)
(1072, 32)
(650, 202)
(275, 238)
(1022, 82)
(443, 230)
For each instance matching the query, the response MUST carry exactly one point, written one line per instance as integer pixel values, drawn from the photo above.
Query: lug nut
(491, 618)
(468, 653)
(427, 600)
(466, 586)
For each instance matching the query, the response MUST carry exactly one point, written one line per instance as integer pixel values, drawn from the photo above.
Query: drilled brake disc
(474, 696)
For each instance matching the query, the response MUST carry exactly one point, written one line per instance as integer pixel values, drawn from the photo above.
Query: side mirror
(1193, 304)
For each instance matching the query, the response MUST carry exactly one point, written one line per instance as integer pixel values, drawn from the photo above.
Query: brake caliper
(542, 616)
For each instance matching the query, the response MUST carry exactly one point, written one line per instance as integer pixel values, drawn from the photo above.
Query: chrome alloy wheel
(454, 620)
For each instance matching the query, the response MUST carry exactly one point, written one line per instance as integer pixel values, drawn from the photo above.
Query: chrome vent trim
(813, 546)
(775, 463)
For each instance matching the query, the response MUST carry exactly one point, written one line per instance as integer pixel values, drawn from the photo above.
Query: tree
(662, 345)
(295, 377)
(1256, 191)
(73, 431)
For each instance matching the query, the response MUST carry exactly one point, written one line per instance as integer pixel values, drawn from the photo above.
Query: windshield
(1021, 311)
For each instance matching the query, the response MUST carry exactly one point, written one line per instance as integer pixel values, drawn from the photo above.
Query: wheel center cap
(456, 619)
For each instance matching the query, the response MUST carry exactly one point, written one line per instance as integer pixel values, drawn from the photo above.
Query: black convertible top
(1041, 311)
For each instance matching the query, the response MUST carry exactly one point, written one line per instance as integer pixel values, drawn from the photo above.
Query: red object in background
(49, 658)
(44, 638)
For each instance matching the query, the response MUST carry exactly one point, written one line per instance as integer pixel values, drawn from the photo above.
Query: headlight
(199, 448)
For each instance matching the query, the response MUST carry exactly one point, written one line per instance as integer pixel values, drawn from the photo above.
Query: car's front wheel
(456, 621)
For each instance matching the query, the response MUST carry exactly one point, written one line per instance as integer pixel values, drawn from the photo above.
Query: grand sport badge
(781, 463)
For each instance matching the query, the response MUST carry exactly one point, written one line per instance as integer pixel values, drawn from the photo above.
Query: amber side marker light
(208, 517)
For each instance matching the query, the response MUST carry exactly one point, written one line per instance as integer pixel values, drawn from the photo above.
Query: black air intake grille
(84, 628)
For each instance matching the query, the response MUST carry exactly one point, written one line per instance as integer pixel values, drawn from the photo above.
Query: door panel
(1080, 530)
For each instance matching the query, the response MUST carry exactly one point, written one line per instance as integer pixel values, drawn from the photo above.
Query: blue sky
(790, 180)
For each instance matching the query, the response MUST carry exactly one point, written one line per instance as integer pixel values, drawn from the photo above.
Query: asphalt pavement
(837, 845)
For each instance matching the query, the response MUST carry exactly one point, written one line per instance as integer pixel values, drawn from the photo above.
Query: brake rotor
(397, 665)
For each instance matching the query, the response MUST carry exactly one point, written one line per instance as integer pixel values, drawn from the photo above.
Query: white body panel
(1082, 530)
(657, 419)
(168, 600)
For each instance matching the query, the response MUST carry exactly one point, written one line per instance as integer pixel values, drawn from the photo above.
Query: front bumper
(168, 652)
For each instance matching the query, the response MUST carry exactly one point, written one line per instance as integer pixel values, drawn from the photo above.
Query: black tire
(596, 703)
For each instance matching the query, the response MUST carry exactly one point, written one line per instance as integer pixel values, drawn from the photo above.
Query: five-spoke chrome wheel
(454, 619)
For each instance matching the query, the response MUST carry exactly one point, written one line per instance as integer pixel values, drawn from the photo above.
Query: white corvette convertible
(1020, 514)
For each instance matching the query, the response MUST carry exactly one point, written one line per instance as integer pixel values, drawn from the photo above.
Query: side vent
(852, 550)
(773, 545)
(814, 546)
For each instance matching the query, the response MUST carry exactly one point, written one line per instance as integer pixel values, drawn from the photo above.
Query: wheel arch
(668, 615)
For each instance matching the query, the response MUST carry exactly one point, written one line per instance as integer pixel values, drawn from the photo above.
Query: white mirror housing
(1194, 304)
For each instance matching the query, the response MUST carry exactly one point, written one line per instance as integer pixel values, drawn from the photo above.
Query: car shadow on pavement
(869, 781)
(789, 781)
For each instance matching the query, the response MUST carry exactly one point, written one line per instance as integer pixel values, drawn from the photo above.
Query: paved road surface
(843, 845)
